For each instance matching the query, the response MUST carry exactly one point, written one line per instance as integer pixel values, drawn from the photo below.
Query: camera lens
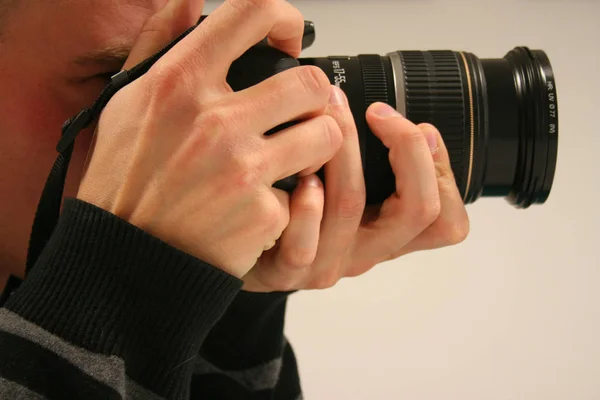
(498, 117)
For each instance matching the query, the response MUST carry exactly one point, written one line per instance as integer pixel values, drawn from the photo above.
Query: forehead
(107, 22)
(64, 28)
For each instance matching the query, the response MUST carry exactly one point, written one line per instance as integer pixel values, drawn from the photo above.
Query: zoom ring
(435, 94)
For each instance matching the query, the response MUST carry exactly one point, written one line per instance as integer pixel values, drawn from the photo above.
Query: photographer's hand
(180, 155)
(320, 247)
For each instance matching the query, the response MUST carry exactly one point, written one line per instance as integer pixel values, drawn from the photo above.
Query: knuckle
(308, 206)
(359, 269)
(459, 232)
(443, 172)
(284, 284)
(215, 120)
(260, 4)
(245, 170)
(426, 126)
(415, 137)
(333, 131)
(244, 179)
(270, 213)
(247, 166)
(297, 257)
(455, 231)
(250, 157)
(346, 124)
(165, 79)
(428, 211)
(296, 20)
(313, 80)
(351, 206)
(326, 280)
(329, 123)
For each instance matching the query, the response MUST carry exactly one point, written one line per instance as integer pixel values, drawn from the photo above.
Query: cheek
(31, 127)
(29, 131)
(33, 130)
(40, 147)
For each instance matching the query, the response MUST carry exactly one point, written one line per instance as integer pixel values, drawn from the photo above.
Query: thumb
(386, 123)
(164, 26)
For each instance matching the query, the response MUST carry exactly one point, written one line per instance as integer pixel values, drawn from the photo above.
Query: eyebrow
(110, 57)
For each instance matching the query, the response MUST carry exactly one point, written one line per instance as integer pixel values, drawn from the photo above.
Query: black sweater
(111, 312)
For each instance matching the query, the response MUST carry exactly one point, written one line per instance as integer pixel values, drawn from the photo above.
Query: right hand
(180, 155)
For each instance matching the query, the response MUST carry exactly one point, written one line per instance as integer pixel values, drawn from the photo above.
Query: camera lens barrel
(498, 117)
(437, 89)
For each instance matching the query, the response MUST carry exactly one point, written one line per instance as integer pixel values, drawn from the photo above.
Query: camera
(498, 117)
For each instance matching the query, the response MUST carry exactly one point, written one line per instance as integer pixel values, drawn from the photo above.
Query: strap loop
(121, 79)
(72, 128)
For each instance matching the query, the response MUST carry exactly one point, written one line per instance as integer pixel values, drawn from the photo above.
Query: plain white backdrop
(513, 313)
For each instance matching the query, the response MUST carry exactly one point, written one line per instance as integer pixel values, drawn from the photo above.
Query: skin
(329, 234)
(46, 87)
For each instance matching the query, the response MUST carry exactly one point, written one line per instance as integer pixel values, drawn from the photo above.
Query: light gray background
(514, 312)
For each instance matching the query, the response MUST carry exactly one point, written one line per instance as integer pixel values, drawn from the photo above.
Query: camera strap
(48, 211)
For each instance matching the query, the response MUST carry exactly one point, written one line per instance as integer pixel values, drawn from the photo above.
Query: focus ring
(374, 79)
(379, 177)
(436, 94)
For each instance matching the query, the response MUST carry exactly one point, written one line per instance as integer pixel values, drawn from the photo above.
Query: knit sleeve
(108, 312)
(246, 355)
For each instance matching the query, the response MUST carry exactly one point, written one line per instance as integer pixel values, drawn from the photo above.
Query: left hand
(332, 235)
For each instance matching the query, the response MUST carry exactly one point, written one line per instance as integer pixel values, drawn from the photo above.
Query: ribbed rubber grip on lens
(379, 177)
(436, 94)
(374, 79)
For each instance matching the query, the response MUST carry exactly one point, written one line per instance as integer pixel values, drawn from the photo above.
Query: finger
(284, 217)
(164, 26)
(287, 265)
(236, 26)
(345, 192)
(415, 204)
(287, 96)
(452, 225)
(303, 146)
(299, 242)
(283, 265)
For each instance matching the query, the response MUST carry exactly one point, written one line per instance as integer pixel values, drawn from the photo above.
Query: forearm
(109, 312)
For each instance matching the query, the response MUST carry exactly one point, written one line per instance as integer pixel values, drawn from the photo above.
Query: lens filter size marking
(551, 107)
(339, 73)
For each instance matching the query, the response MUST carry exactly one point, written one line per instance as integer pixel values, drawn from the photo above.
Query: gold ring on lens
(472, 123)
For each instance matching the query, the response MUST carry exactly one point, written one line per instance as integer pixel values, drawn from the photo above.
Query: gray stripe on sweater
(109, 370)
(257, 378)
(12, 390)
(134, 391)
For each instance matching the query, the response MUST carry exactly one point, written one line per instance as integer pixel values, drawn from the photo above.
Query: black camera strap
(48, 211)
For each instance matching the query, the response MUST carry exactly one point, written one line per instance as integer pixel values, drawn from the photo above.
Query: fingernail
(337, 97)
(310, 181)
(385, 110)
(431, 136)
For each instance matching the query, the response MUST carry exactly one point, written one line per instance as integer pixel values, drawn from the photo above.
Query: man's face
(56, 56)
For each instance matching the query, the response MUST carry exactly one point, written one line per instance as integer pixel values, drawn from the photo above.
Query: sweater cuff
(107, 286)
(250, 333)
